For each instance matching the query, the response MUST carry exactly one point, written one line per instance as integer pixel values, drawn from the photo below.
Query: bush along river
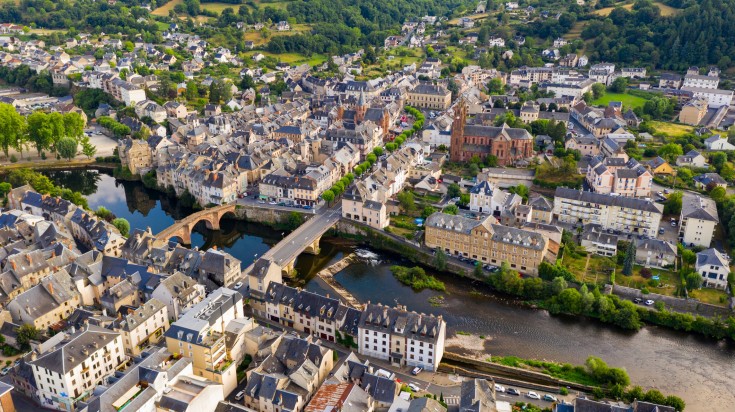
(699, 370)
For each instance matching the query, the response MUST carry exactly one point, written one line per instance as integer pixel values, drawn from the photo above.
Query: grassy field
(629, 101)
(163, 10)
(668, 281)
(711, 296)
(44, 32)
(607, 10)
(292, 58)
(218, 7)
(473, 17)
(258, 39)
(666, 10)
(671, 129)
(598, 269)
(575, 31)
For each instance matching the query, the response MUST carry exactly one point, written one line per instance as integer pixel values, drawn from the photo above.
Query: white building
(714, 267)
(400, 337)
(68, 368)
(623, 214)
(698, 220)
(700, 81)
(716, 98)
(143, 326)
(718, 142)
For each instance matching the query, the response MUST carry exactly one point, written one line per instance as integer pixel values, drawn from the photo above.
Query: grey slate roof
(699, 207)
(607, 200)
(67, 355)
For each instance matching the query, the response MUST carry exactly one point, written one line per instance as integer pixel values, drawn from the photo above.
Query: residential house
(707, 181)
(655, 253)
(714, 266)
(718, 143)
(692, 159)
(142, 326)
(693, 111)
(51, 301)
(136, 155)
(596, 240)
(659, 166)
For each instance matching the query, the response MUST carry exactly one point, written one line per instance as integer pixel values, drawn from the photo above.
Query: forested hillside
(702, 33)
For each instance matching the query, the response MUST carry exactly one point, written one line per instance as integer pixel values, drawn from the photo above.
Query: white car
(239, 395)
(499, 388)
(533, 395)
(649, 302)
(238, 285)
(414, 387)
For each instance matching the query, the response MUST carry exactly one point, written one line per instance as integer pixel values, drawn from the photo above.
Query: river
(700, 371)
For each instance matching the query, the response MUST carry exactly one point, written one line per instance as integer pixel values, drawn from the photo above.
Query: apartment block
(623, 214)
(68, 367)
(200, 335)
(487, 242)
(697, 221)
(142, 326)
(401, 337)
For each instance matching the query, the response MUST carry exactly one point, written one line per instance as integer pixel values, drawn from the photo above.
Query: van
(385, 374)
(239, 395)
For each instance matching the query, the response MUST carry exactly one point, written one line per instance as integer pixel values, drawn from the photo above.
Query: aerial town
(309, 206)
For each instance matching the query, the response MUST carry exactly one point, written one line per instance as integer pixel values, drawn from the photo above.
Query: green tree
(619, 85)
(478, 272)
(670, 152)
(328, 196)
(440, 259)
(88, 149)
(104, 213)
(40, 131)
(73, 125)
(192, 90)
(67, 147)
(598, 90)
(294, 220)
(672, 206)
(451, 210)
(122, 225)
(428, 211)
(25, 334)
(629, 258)
(495, 86)
(12, 128)
(453, 190)
(718, 194)
(406, 200)
(693, 280)
(557, 285)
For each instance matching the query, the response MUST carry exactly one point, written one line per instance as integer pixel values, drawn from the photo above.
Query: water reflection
(699, 370)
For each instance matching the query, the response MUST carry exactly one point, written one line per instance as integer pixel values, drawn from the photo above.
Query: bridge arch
(183, 228)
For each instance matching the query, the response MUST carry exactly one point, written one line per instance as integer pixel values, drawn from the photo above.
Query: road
(449, 386)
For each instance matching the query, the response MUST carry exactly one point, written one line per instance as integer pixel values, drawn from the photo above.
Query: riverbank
(327, 275)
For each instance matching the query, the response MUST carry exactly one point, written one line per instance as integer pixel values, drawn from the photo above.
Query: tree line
(56, 132)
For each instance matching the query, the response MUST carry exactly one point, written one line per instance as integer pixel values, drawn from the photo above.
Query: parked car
(512, 391)
(550, 398)
(673, 223)
(272, 203)
(239, 395)
(307, 207)
(637, 300)
(661, 231)
(238, 285)
(649, 302)
(414, 387)
(416, 370)
(499, 388)
(4, 371)
(533, 395)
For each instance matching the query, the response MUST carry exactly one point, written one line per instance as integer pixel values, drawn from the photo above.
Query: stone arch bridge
(183, 228)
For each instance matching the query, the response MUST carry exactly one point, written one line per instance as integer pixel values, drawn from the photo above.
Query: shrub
(646, 273)
(13, 159)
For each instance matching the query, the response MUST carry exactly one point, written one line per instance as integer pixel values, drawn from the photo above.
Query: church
(507, 144)
(361, 113)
